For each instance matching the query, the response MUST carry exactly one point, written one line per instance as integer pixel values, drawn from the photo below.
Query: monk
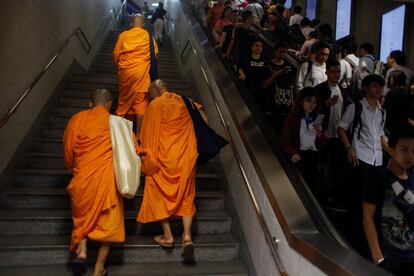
(169, 149)
(97, 208)
(132, 58)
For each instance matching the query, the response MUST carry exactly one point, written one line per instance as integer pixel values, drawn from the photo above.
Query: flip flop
(187, 251)
(160, 240)
(79, 266)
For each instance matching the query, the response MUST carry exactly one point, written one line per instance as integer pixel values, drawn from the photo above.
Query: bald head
(100, 97)
(138, 21)
(157, 88)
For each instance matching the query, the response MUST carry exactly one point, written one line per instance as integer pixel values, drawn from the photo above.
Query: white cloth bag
(127, 164)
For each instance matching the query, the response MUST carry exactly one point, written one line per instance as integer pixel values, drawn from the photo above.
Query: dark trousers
(398, 267)
(335, 165)
(308, 166)
(358, 178)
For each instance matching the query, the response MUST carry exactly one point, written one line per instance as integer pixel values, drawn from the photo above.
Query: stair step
(82, 93)
(228, 268)
(53, 249)
(40, 198)
(95, 78)
(54, 160)
(80, 85)
(59, 222)
(59, 178)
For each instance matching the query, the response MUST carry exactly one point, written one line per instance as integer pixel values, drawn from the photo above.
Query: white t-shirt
(307, 136)
(295, 19)
(314, 78)
(368, 147)
(306, 31)
(336, 113)
(346, 69)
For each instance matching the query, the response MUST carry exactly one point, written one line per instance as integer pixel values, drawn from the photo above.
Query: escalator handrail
(77, 32)
(271, 240)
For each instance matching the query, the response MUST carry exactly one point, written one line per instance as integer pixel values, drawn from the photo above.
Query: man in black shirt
(387, 201)
(242, 39)
(396, 102)
(227, 33)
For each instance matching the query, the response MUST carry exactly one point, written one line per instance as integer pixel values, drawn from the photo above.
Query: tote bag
(127, 164)
(209, 142)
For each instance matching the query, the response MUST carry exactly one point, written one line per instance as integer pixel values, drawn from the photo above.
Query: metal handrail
(78, 31)
(271, 240)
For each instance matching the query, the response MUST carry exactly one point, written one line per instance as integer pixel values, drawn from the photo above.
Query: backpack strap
(309, 71)
(357, 119)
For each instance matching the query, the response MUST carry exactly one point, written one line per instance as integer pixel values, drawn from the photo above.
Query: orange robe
(97, 208)
(167, 133)
(132, 58)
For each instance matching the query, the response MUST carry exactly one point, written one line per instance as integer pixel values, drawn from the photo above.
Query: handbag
(127, 164)
(283, 98)
(153, 60)
(209, 142)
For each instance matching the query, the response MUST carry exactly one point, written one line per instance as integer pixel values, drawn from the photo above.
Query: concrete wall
(31, 33)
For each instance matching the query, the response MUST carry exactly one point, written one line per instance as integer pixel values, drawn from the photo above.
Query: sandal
(160, 240)
(187, 251)
(79, 265)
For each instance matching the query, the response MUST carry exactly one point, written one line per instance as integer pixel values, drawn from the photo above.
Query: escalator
(317, 229)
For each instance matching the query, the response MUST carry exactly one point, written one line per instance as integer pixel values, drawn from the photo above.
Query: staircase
(35, 222)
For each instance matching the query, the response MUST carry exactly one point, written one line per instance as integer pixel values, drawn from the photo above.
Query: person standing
(97, 208)
(169, 148)
(296, 18)
(312, 72)
(158, 21)
(388, 223)
(132, 58)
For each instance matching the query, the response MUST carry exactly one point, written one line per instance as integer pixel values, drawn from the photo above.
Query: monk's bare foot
(164, 241)
(81, 250)
(100, 272)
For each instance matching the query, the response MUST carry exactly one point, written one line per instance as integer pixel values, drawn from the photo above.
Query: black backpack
(357, 122)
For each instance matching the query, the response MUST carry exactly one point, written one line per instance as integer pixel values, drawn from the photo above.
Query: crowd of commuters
(346, 118)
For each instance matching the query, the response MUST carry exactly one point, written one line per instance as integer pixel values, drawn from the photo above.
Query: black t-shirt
(396, 105)
(243, 40)
(159, 13)
(228, 30)
(256, 70)
(396, 239)
(283, 81)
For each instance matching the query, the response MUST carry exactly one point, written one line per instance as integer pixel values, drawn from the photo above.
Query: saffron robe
(167, 134)
(132, 58)
(97, 208)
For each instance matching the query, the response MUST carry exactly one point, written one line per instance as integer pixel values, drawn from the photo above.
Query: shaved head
(138, 21)
(157, 88)
(100, 97)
